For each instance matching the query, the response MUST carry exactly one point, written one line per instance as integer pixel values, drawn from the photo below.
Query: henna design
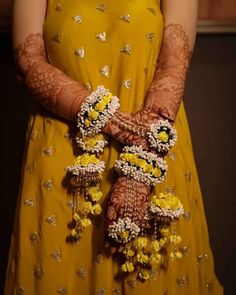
(167, 88)
(119, 198)
(130, 129)
(56, 91)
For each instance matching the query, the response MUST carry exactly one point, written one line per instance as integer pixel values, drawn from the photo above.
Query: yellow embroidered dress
(115, 44)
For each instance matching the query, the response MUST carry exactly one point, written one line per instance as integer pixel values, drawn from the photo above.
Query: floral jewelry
(141, 165)
(166, 206)
(162, 136)
(86, 171)
(97, 109)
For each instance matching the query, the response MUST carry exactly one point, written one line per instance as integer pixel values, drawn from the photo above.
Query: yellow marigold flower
(162, 241)
(175, 239)
(178, 255)
(124, 235)
(155, 258)
(100, 106)
(142, 163)
(93, 114)
(74, 232)
(156, 172)
(144, 274)
(142, 258)
(91, 142)
(128, 252)
(85, 222)
(140, 242)
(87, 122)
(163, 136)
(149, 168)
(96, 196)
(107, 98)
(127, 266)
(87, 207)
(76, 217)
(97, 209)
(155, 245)
(164, 230)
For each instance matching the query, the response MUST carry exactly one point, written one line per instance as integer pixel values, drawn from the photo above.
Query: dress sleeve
(55, 90)
(166, 91)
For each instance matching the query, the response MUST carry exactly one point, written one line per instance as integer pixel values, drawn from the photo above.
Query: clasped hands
(129, 129)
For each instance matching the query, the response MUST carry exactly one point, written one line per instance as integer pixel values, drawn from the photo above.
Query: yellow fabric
(83, 268)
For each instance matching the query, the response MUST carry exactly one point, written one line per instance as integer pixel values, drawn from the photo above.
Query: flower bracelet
(96, 110)
(162, 136)
(141, 165)
(85, 173)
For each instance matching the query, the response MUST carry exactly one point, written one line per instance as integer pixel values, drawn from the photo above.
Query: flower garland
(141, 165)
(86, 171)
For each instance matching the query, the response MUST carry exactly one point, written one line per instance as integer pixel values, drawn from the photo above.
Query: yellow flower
(73, 232)
(142, 258)
(91, 142)
(156, 172)
(76, 217)
(163, 136)
(175, 255)
(87, 207)
(97, 209)
(86, 159)
(162, 241)
(94, 193)
(164, 230)
(124, 235)
(175, 239)
(142, 163)
(155, 258)
(155, 245)
(140, 242)
(93, 114)
(87, 122)
(128, 252)
(149, 168)
(178, 255)
(144, 274)
(96, 196)
(85, 222)
(127, 266)
(100, 106)
(107, 98)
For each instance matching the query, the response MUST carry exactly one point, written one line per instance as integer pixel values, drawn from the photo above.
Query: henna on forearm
(128, 198)
(56, 91)
(167, 88)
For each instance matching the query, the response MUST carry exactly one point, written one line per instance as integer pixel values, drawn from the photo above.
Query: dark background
(210, 102)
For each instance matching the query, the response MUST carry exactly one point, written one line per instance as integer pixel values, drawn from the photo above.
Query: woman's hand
(130, 128)
(129, 198)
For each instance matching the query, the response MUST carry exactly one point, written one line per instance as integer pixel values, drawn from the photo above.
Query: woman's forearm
(166, 91)
(167, 88)
(56, 91)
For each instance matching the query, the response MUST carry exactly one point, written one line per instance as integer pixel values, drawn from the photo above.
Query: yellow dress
(115, 44)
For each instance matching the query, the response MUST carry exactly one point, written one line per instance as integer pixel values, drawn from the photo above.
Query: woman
(140, 52)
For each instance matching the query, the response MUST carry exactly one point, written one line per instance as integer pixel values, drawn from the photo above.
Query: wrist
(96, 110)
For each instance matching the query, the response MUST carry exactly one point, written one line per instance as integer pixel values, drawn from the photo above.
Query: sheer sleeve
(167, 88)
(52, 88)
